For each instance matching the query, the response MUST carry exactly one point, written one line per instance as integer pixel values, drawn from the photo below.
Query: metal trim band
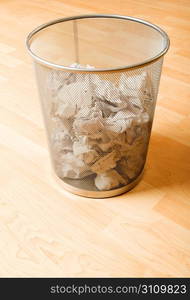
(97, 194)
(56, 66)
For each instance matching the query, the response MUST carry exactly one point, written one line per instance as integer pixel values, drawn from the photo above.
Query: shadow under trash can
(98, 78)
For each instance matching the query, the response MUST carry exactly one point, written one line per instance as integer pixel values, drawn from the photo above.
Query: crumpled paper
(99, 127)
(109, 180)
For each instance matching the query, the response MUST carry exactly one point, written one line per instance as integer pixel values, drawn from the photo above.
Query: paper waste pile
(99, 127)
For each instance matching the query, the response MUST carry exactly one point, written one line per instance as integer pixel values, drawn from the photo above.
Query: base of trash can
(97, 194)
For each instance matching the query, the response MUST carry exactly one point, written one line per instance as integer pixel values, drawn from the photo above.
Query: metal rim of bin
(71, 69)
(97, 194)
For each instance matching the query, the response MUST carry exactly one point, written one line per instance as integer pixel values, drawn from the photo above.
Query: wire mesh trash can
(98, 78)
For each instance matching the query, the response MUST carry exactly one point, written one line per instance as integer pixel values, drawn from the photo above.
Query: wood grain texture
(45, 231)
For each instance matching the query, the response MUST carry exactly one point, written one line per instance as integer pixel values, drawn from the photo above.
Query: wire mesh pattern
(99, 124)
(98, 79)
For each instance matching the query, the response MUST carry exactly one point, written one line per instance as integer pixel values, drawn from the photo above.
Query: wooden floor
(45, 231)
